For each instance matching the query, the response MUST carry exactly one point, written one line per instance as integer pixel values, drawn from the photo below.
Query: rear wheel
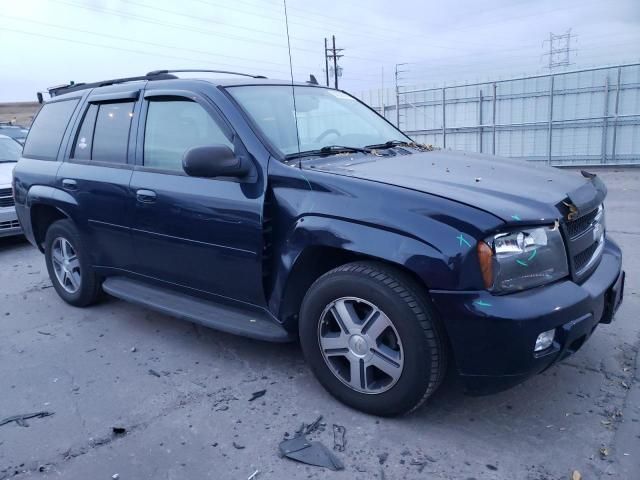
(370, 337)
(69, 269)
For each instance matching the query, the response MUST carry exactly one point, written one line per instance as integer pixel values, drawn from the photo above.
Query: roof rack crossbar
(158, 72)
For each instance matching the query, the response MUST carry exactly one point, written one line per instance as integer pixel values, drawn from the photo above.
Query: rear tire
(68, 265)
(371, 338)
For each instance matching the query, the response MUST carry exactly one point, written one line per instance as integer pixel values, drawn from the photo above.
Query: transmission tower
(559, 49)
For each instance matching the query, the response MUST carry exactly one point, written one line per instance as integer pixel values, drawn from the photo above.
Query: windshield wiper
(327, 150)
(8, 161)
(390, 144)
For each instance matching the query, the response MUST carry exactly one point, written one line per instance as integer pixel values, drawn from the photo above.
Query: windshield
(10, 150)
(325, 117)
(14, 132)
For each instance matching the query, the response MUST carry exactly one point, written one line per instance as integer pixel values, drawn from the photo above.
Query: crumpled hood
(6, 172)
(513, 190)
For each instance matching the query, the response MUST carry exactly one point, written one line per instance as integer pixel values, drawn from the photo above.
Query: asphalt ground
(182, 394)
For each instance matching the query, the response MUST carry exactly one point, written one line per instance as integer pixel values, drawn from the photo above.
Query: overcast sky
(49, 42)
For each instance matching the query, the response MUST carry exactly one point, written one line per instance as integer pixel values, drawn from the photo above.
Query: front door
(200, 233)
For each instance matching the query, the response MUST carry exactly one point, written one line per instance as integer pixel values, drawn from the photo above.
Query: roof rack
(160, 72)
(73, 87)
(154, 75)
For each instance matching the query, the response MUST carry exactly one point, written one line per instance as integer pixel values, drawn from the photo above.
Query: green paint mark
(463, 240)
(533, 254)
(481, 303)
(516, 217)
(522, 262)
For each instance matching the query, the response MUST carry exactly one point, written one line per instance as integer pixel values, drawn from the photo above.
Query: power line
(376, 33)
(211, 20)
(109, 47)
(143, 42)
(187, 28)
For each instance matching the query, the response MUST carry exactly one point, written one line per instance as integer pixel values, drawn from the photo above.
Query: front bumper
(9, 224)
(493, 336)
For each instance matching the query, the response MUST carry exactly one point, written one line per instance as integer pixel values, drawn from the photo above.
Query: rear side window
(84, 140)
(48, 129)
(104, 133)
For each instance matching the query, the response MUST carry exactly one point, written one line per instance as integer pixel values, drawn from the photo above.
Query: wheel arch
(45, 205)
(42, 216)
(319, 244)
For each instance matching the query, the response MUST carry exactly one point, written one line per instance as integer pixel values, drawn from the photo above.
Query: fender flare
(44, 195)
(418, 256)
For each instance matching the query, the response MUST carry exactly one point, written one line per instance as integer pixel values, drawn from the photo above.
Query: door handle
(69, 184)
(146, 196)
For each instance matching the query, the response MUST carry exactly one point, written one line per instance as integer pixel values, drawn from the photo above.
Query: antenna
(293, 90)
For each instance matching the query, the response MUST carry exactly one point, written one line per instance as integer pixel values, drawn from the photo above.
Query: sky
(51, 42)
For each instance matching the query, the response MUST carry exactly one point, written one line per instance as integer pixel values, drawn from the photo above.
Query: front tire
(371, 338)
(68, 265)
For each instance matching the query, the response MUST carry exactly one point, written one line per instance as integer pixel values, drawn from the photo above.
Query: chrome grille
(6, 198)
(9, 224)
(585, 241)
(581, 259)
(577, 227)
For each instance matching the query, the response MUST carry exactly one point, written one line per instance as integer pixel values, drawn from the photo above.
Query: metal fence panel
(582, 117)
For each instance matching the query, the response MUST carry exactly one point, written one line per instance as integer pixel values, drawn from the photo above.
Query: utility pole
(326, 61)
(334, 56)
(559, 49)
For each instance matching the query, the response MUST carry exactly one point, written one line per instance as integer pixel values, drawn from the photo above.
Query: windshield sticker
(82, 143)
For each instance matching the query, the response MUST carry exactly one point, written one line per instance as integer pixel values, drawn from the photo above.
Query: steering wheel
(325, 133)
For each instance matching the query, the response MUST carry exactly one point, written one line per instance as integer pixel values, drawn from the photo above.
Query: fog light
(544, 340)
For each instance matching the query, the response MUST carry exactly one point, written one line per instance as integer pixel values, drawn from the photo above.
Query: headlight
(522, 259)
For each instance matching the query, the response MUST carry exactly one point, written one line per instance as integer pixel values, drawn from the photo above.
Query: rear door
(96, 173)
(204, 234)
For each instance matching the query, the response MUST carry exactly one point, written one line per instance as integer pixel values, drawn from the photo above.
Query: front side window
(175, 125)
(324, 117)
(48, 129)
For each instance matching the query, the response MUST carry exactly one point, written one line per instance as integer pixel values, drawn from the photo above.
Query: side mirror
(214, 161)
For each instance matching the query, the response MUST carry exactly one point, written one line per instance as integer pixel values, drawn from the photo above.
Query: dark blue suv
(282, 211)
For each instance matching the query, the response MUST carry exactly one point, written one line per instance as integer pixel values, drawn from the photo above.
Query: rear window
(48, 129)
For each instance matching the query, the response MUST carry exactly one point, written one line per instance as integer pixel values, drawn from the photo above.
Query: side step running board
(253, 324)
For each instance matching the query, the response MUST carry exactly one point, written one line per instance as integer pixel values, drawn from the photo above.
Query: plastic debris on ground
(302, 450)
(22, 419)
(258, 394)
(339, 441)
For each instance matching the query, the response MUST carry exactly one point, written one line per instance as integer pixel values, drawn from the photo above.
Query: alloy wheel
(360, 345)
(66, 265)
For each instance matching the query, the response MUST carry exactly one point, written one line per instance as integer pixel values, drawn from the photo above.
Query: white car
(10, 152)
